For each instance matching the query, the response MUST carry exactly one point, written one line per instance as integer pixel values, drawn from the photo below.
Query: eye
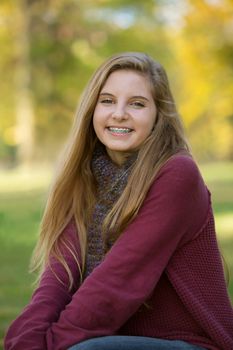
(106, 101)
(137, 104)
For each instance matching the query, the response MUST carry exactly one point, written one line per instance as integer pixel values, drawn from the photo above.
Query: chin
(120, 149)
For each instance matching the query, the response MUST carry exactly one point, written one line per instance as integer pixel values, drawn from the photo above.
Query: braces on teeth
(120, 130)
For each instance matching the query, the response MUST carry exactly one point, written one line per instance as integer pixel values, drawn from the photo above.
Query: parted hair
(73, 191)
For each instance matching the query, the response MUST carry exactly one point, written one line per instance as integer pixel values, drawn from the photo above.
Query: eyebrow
(137, 96)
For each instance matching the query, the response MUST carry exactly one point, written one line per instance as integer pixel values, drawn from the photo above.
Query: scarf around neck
(111, 180)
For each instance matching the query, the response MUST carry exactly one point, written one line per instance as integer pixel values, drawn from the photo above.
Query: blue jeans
(121, 342)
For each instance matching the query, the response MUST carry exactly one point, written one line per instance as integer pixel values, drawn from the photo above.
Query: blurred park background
(49, 49)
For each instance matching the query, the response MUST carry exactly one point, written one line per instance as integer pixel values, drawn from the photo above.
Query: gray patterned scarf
(111, 180)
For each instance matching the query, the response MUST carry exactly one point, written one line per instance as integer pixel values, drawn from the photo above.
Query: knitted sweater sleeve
(28, 331)
(173, 212)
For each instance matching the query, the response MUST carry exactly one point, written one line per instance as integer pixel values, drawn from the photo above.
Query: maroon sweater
(163, 277)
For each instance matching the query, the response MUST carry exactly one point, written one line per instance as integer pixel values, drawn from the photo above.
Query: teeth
(120, 130)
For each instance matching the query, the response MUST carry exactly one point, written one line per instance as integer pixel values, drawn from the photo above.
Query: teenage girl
(127, 249)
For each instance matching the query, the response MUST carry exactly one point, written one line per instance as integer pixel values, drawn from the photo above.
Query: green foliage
(68, 39)
(19, 219)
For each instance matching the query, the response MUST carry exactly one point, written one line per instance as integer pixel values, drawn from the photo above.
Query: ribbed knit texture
(192, 289)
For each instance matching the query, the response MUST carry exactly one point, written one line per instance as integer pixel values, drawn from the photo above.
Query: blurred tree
(25, 119)
(7, 115)
(69, 40)
(62, 42)
(203, 46)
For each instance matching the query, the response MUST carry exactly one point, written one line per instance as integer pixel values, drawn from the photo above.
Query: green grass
(22, 199)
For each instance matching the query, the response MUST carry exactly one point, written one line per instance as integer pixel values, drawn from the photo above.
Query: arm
(173, 213)
(28, 331)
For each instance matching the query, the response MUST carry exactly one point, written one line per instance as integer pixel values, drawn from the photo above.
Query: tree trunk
(25, 120)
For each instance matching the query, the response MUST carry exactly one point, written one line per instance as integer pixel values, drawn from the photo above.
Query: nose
(119, 112)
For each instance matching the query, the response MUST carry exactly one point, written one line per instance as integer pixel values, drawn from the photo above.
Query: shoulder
(182, 171)
(181, 164)
(180, 191)
(180, 182)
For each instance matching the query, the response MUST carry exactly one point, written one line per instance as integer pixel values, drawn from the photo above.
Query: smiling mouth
(120, 130)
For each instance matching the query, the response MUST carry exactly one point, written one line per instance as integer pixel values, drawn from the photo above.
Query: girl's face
(124, 114)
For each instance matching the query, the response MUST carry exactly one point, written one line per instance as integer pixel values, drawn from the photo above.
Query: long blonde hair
(72, 193)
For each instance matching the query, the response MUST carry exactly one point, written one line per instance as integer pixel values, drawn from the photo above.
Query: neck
(119, 158)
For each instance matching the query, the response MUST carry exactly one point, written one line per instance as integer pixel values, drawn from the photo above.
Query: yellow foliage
(10, 136)
(83, 51)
